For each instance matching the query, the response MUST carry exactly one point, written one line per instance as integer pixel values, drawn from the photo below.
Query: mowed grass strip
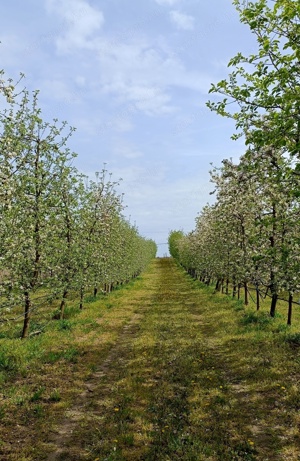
(194, 377)
(198, 382)
(42, 377)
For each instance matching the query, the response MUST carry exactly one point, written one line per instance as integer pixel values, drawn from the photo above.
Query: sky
(133, 77)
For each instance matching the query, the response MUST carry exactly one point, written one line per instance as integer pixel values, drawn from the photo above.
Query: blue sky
(133, 78)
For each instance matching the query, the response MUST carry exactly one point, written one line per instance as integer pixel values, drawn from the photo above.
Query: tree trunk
(289, 321)
(273, 304)
(273, 289)
(81, 298)
(221, 286)
(233, 287)
(227, 287)
(27, 313)
(246, 294)
(234, 290)
(257, 299)
(95, 292)
(63, 304)
(273, 284)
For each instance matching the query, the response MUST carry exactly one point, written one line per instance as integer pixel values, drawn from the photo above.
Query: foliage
(59, 231)
(173, 240)
(265, 85)
(250, 235)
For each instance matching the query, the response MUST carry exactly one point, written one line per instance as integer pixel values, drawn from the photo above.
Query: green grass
(196, 376)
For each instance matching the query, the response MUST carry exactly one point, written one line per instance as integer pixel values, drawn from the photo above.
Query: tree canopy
(262, 92)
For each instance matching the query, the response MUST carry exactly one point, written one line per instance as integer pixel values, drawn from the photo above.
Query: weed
(33, 345)
(55, 396)
(71, 355)
(52, 356)
(239, 305)
(9, 362)
(64, 325)
(36, 327)
(87, 325)
(90, 299)
(71, 311)
(293, 339)
(259, 319)
(38, 411)
(21, 399)
(281, 328)
(128, 440)
(242, 451)
(37, 394)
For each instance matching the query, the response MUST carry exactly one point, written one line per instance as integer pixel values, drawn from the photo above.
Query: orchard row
(250, 236)
(59, 230)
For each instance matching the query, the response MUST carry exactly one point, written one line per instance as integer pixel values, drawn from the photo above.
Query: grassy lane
(192, 383)
(184, 375)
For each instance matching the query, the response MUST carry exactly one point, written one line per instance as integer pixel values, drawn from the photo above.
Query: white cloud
(95, 124)
(127, 151)
(60, 90)
(137, 74)
(140, 180)
(81, 20)
(145, 76)
(160, 103)
(181, 20)
(136, 71)
(167, 2)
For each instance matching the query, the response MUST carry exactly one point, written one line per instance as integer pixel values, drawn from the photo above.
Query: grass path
(183, 379)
